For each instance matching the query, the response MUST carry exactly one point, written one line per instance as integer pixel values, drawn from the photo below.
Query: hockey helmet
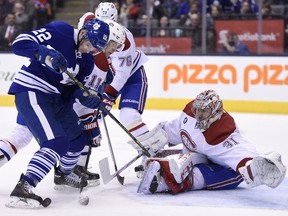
(117, 32)
(106, 10)
(97, 32)
(207, 108)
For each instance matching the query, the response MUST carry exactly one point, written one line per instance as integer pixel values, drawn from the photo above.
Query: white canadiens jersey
(222, 142)
(126, 61)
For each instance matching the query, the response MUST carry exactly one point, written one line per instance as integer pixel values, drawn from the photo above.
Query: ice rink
(267, 132)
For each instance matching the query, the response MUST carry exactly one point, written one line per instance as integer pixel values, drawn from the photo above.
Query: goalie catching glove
(153, 140)
(91, 127)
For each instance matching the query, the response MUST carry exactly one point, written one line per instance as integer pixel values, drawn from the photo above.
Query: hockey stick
(84, 200)
(119, 178)
(81, 86)
(105, 169)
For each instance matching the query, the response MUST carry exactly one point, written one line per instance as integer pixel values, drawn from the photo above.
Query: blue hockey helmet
(97, 33)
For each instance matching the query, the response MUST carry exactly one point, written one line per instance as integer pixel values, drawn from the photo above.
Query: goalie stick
(81, 86)
(105, 169)
(119, 178)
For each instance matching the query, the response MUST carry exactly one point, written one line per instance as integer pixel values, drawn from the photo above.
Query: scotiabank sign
(158, 45)
(272, 34)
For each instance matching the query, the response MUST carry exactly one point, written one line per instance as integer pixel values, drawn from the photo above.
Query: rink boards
(246, 84)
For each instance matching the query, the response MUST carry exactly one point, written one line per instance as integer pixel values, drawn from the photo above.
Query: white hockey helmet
(117, 32)
(207, 108)
(106, 10)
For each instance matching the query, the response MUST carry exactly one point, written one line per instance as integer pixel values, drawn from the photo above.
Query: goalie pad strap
(181, 165)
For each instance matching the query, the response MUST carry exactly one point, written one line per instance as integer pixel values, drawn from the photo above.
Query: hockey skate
(152, 181)
(266, 169)
(140, 169)
(92, 178)
(73, 180)
(23, 197)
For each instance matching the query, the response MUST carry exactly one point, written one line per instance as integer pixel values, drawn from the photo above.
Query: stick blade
(105, 170)
(120, 179)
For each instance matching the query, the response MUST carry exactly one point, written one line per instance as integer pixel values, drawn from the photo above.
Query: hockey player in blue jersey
(21, 135)
(44, 95)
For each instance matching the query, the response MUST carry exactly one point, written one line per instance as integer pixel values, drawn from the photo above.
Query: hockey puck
(46, 202)
(83, 200)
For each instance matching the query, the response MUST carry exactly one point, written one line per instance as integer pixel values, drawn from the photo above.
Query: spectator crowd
(18, 16)
(166, 18)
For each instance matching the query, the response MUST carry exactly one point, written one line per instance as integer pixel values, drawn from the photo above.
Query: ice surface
(267, 132)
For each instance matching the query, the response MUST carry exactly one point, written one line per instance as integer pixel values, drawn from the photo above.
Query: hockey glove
(107, 101)
(51, 58)
(153, 140)
(91, 101)
(91, 128)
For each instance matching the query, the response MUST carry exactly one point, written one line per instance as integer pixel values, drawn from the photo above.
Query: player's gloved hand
(91, 128)
(51, 58)
(107, 101)
(153, 141)
(91, 100)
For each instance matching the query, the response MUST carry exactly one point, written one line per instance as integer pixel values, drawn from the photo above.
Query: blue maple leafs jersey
(60, 36)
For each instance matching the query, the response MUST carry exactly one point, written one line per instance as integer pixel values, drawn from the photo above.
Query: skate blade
(25, 203)
(66, 188)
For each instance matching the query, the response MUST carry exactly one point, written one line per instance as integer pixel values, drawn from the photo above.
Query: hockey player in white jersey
(129, 77)
(206, 129)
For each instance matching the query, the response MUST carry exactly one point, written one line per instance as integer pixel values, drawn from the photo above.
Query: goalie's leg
(266, 169)
(162, 175)
(169, 174)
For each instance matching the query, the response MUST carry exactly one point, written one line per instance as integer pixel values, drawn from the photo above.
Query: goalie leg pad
(266, 169)
(182, 164)
(172, 183)
(152, 181)
(174, 174)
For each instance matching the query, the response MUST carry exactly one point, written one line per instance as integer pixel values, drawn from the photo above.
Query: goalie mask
(106, 10)
(97, 32)
(207, 108)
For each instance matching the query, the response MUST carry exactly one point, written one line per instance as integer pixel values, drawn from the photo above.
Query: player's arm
(34, 46)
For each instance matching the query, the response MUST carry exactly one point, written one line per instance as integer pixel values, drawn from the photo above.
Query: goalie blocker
(153, 140)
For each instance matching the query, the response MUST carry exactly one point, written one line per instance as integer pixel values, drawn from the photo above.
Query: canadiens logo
(187, 141)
